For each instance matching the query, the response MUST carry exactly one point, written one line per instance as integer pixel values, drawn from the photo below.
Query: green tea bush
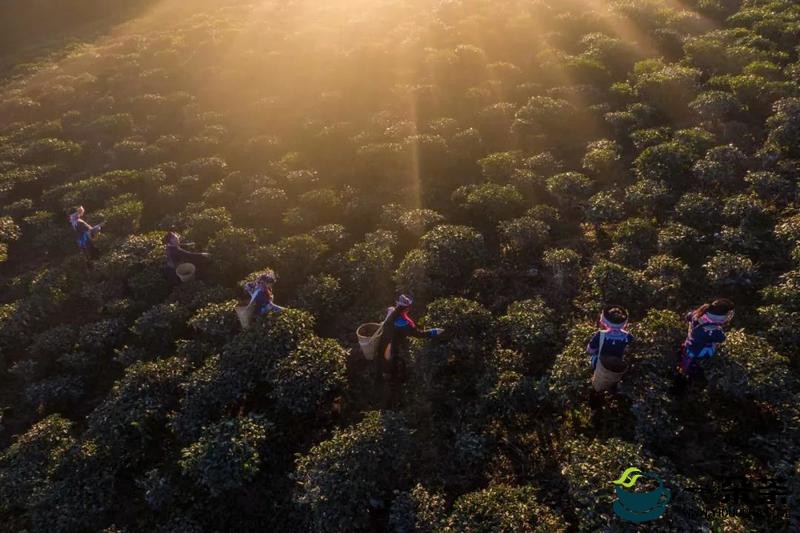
(564, 265)
(322, 296)
(530, 327)
(414, 222)
(206, 223)
(783, 130)
(216, 322)
(158, 327)
(80, 492)
(228, 454)
(503, 508)
(512, 397)
(128, 257)
(648, 380)
(136, 409)
(368, 264)
(722, 167)
(698, 210)
(95, 341)
(568, 379)
(274, 336)
(545, 120)
(770, 186)
(716, 106)
(614, 283)
(9, 231)
(523, 238)
(122, 214)
(226, 248)
(295, 258)
(446, 259)
(669, 162)
(603, 159)
(724, 269)
(678, 239)
(205, 393)
(55, 393)
(488, 202)
(604, 207)
(341, 480)
(570, 189)
(417, 510)
(666, 276)
(469, 327)
(634, 240)
(26, 465)
(48, 345)
(747, 365)
(310, 377)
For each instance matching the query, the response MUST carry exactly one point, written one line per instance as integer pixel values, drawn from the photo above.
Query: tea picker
(86, 233)
(607, 348)
(704, 335)
(397, 327)
(261, 298)
(180, 262)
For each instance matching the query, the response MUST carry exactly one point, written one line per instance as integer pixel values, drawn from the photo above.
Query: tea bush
(228, 454)
(342, 479)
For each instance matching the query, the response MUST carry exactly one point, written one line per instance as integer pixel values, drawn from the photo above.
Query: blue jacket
(263, 302)
(702, 338)
(397, 328)
(614, 343)
(84, 231)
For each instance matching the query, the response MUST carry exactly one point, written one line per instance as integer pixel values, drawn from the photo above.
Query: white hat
(718, 319)
(404, 301)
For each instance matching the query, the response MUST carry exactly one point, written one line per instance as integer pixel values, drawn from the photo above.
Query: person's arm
(82, 226)
(425, 333)
(594, 344)
(414, 331)
(185, 256)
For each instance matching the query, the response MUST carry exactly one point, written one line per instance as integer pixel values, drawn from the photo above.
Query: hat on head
(404, 301)
(720, 310)
(614, 317)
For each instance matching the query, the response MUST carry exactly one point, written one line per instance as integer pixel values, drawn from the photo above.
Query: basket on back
(369, 336)
(245, 313)
(185, 271)
(609, 370)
